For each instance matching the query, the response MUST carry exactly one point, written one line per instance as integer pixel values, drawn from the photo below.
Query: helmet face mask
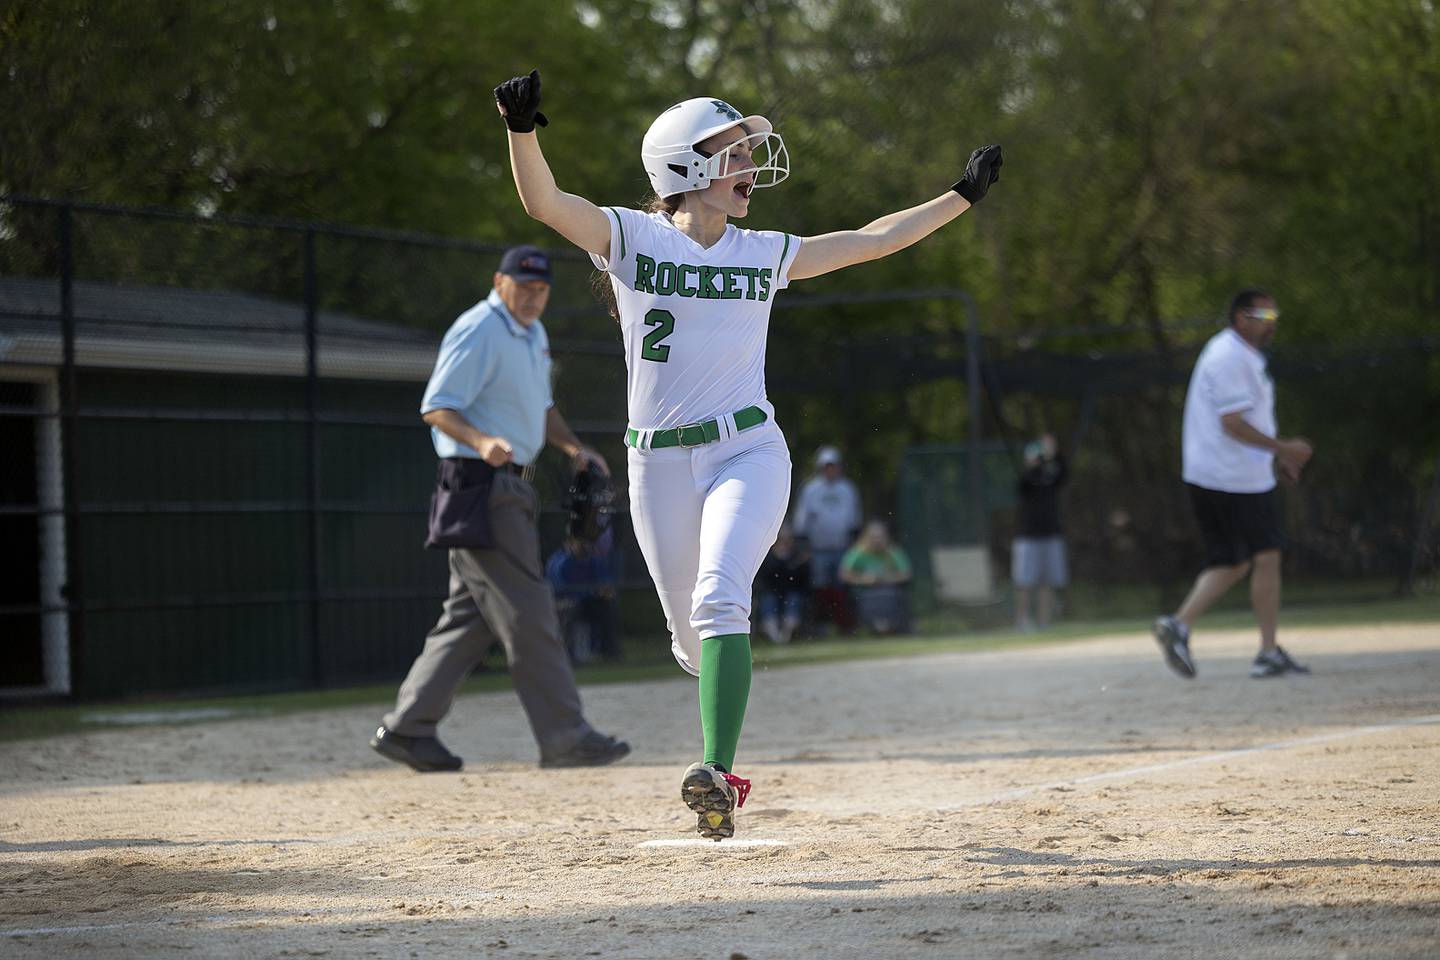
(674, 164)
(769, 160)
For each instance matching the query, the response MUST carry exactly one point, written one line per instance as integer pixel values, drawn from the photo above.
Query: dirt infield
(1064, 801)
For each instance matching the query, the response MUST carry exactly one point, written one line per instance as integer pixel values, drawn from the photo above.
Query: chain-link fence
(214, 474)
(1361, 525)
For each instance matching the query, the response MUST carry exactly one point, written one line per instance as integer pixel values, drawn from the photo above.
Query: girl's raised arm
(575, 218)
(896, 231)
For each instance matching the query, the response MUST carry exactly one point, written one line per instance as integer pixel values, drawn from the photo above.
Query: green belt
(696, 434)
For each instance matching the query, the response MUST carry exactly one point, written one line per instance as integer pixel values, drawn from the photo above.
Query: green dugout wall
(194, 542)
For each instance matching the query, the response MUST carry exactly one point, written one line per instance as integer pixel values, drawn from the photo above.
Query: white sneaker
(1272, 663)
(714, 796)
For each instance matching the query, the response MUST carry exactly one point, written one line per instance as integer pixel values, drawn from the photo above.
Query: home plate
(700, 842)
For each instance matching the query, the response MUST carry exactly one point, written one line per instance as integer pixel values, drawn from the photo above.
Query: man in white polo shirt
(1231, 457)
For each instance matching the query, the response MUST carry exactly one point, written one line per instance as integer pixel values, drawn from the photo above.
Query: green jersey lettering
(706, 282)
(644, 274)
(665, 278)
(751, 274)
(708, 290)
(684, 288)
(652, 348)
(732, 288)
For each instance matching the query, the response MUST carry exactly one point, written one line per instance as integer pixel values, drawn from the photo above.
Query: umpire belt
(523, 471)
(693, 434)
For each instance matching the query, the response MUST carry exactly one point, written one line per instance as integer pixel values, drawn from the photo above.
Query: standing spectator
(877, 570)
(1037, 558)
(1231, 455)
(583, 579)
(828, 517)
(490, 411)
(784, 587)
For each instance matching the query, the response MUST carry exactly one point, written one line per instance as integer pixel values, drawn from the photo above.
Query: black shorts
(1235, 526)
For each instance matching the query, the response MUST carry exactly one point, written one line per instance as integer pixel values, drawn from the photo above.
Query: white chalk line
(1223, 755)
(993, 799)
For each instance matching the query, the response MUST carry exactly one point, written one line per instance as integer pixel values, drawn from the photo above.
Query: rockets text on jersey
(694, 319)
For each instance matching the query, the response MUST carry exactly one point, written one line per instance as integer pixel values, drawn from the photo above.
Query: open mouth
(743, 188)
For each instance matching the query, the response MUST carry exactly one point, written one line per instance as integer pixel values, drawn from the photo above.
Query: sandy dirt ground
(1073, 800)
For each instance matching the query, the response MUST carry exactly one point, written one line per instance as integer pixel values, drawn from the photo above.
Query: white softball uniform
(705, 518)
(694, 322)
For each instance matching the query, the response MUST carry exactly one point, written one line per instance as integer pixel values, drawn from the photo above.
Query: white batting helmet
(675, 166)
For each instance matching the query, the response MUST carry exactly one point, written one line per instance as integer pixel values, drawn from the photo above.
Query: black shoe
(1290, 664)
(1174, 639)
(425, 754)
(594, 749)
(1272, 663)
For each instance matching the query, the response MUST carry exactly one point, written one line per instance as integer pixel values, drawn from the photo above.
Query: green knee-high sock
(724, 692)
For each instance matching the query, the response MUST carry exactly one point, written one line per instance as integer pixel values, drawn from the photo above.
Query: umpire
(490, 412)
(1232, 454)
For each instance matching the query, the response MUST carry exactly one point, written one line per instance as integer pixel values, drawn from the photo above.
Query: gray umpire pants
(497, 593)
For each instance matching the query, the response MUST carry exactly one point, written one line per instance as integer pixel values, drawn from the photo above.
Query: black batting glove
(519, 97)
(982, 170)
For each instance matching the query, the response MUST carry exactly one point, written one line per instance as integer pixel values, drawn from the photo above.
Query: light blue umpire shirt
(495, 373)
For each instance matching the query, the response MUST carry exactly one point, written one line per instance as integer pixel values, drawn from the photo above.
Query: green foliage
(1159, 155)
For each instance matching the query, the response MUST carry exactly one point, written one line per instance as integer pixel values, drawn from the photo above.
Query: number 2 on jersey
(651, 347)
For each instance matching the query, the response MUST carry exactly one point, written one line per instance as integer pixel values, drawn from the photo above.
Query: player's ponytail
(666, 205)
(600, 287)
(600, 282)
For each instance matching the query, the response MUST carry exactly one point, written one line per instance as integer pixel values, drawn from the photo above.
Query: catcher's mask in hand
(589, 501)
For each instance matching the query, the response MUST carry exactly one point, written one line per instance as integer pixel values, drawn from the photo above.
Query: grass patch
(27, 722)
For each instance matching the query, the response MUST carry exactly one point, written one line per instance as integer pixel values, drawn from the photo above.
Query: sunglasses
(1268, 314)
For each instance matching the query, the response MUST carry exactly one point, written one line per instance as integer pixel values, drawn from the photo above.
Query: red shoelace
(741, 785)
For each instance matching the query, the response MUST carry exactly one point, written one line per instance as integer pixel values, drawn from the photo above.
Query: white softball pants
(705, 517)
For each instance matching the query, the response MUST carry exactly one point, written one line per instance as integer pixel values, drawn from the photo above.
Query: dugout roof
(202, 331)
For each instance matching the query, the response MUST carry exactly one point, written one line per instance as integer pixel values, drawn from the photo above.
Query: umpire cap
(526, 263)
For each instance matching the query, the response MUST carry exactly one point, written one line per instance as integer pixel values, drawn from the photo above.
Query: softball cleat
(714, 795)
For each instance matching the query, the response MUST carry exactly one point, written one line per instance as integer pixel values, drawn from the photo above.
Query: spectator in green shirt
(876, 571)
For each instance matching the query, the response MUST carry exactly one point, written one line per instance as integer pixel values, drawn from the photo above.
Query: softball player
(709, 469)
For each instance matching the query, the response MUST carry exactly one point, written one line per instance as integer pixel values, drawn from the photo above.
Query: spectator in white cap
(828, 517)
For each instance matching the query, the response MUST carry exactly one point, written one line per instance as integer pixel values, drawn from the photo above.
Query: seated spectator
(783, 587)
(584, 583)
(877, 571)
